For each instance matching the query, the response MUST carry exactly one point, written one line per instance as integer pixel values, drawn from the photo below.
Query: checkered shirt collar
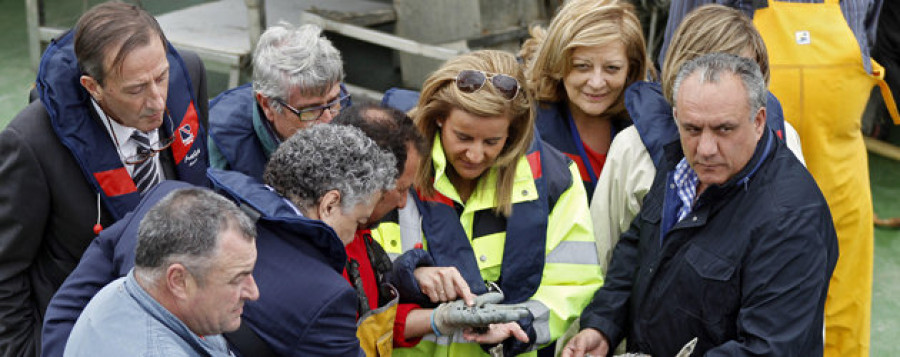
(686, 181)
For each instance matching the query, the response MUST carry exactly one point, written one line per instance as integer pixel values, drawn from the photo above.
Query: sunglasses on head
(470, 81)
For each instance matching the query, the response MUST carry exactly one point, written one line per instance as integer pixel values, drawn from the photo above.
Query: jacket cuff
(403, 278)
(400, 327)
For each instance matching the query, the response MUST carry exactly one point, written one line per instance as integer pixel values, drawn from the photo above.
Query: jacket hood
(268, 207)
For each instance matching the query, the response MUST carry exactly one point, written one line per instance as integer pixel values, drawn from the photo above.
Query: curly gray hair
(289, 57)
(329, 157)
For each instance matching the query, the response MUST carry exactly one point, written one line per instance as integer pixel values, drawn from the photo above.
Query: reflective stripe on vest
(523, 262)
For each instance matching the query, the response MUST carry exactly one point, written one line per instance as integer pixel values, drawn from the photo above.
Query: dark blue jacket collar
(78, 128)
(762, 152)
(272, 208)
(652, 117)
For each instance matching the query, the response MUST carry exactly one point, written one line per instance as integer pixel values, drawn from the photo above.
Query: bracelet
(433, 326)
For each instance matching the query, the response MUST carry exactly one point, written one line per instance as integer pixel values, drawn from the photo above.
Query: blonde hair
(708, 29)
(582, 23)
(440, 97)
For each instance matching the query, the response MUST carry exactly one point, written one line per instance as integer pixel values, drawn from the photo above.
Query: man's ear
(92, 86)
(329, 204)
(266, 104)
(759, 121)
(179, 281)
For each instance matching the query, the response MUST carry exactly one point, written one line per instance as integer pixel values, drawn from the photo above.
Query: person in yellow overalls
(823, 81)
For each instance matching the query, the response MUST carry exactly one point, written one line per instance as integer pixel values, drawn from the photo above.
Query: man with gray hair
(734, 245)
(193, 263)
(297, 76)
(321, 185)
(120, 110)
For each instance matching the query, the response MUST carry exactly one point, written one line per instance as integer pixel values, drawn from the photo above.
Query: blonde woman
(502, 208)
(581, 65)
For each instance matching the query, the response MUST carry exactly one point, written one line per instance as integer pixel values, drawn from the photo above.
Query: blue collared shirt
(124, 320)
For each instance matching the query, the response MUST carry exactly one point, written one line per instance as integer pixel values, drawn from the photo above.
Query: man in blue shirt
(193, 263)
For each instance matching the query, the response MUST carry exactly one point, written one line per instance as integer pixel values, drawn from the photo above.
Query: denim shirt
(124, 320)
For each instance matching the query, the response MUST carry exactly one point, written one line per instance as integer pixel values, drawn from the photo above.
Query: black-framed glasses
(315, 113)
(470, 81)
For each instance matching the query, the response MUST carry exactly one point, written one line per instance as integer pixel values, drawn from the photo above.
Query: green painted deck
(16, 79)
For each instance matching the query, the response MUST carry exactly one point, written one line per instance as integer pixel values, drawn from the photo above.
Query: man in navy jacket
(297, 76)
(319, 185)
(734, 245)
(68, 161)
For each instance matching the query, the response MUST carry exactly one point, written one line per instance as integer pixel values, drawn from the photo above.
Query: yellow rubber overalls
(818, 75)
(375, 329)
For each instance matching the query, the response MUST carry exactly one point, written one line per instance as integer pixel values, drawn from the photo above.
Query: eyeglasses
(144, 154)
(315, 113)
(470, 81)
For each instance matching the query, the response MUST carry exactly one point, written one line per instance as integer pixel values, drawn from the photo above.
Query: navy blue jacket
(746, 272)
(234, 134)
(56, 162)
(552, 123)
(306, 308)
(231, 131)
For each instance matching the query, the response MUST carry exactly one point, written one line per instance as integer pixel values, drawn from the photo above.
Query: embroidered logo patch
(802, 37)
(187, 136)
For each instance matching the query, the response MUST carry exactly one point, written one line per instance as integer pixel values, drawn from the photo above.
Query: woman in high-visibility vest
(497, 204)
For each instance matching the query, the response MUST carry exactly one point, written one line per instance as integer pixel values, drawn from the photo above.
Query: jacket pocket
(708, 289)
(708, 265)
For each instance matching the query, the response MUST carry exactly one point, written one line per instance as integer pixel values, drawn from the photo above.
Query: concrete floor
(16, 79)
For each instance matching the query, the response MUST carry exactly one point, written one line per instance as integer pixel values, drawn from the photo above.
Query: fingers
(461, 287)
(431, 281)
(443, 284)
(587, 342)
(572, 351)
(518, 332)
(496, 333)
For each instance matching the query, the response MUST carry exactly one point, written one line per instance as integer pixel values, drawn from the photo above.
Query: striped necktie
(144, 174)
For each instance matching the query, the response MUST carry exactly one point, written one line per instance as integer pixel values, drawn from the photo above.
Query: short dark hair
(112, 28)
(391, 129)
(185, 227)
